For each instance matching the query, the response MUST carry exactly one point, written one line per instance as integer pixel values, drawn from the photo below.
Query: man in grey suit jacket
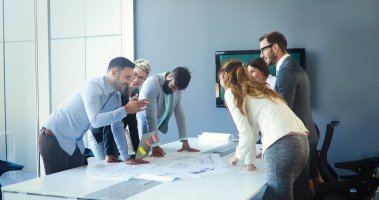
(164, 91)
(292, 83)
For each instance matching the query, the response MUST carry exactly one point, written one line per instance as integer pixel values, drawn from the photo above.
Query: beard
(271, 58)
(165, 87)
(119, 86)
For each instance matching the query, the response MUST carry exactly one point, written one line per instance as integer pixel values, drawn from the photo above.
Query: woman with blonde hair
(255, 107)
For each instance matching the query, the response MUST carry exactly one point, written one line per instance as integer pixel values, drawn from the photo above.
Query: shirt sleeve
(246, 145)
(149, 118)
(180, 119)
(94, 99)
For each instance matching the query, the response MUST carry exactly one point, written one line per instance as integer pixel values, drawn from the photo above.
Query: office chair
(362, 185)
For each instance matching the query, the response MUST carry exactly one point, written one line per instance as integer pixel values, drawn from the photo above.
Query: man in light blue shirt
(96, 103)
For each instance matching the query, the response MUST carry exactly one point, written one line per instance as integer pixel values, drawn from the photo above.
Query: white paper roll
(217, 137)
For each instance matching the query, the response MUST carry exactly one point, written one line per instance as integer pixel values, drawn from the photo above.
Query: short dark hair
(120, 63)
(182, 77)
(261, 65)
(275, 37)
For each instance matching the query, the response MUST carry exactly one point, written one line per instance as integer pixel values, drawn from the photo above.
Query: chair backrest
(317, 130)
(326, 171)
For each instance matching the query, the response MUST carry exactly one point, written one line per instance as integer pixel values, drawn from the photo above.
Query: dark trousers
(55, 159)
(131, 121)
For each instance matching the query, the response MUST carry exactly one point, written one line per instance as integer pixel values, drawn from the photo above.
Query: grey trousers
(55, 159)
(287, 172)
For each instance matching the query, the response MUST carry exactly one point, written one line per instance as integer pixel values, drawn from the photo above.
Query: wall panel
(20, 90)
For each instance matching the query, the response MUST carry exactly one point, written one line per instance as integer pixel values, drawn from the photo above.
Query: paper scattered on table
(120, 171)
(152, 177)
(166, 169)
(182, 166)
(217, 137)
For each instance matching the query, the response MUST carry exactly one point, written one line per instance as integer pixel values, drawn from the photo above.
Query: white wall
(2, 105)
(18, 82)
(82, 43)
(75, 43)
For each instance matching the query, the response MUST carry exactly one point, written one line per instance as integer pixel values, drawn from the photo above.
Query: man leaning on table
(164, 91)
(96, 103)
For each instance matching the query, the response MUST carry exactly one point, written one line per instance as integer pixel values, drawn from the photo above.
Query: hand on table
(136, 161)
(157, 152)
(233, 160)
(186, 147)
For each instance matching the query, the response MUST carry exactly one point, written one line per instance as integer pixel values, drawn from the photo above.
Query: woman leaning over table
(255, 107)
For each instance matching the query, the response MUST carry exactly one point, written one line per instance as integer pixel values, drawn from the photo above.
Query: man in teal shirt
(165, 94)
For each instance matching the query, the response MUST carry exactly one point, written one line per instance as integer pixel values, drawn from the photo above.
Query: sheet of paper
(160, 178)
(121, 171)
(195, 165)
(165, 169)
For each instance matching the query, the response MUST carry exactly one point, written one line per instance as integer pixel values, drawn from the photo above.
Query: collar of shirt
(280, 61)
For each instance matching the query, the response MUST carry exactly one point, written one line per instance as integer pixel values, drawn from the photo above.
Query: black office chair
(362, 185)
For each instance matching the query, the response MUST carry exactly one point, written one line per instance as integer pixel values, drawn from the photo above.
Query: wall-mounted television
(245, 56)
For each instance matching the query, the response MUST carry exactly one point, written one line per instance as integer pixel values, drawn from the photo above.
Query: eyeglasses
(140, 78)
(263, 48)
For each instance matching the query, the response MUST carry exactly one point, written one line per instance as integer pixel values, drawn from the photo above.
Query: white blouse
(273, 119)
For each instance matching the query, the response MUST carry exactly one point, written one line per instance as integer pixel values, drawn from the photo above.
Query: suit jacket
(293, 84)
(148, 119)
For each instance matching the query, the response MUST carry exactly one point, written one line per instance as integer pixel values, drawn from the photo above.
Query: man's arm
(94, 98)
(180, 119)
(181, 123)
(149, 90)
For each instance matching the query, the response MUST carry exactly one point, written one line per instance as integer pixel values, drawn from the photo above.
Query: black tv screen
(245, 56)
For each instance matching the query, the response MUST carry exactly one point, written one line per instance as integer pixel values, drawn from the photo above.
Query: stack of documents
(217, 137)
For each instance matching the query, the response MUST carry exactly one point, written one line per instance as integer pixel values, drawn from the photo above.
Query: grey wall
(341, 42)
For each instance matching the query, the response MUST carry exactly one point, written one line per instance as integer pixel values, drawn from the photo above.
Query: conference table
(78, 184)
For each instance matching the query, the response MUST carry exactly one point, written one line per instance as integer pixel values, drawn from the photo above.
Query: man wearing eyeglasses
(96, 103)
(165, 94)
(293, 84)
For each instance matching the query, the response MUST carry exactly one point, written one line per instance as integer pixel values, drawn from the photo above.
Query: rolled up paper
(217, 137)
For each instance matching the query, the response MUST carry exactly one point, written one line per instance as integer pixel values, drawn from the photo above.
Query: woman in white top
(255, 107)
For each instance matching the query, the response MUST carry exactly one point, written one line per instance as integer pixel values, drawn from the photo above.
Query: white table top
(75, 183)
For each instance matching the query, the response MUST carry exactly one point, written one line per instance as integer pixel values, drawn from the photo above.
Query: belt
(46, 131)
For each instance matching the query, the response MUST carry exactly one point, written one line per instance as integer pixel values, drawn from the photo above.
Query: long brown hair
(237, 79)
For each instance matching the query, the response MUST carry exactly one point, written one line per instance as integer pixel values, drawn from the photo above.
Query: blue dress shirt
(95, 103)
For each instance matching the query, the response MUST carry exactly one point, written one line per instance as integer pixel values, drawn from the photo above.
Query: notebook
(145, 145)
